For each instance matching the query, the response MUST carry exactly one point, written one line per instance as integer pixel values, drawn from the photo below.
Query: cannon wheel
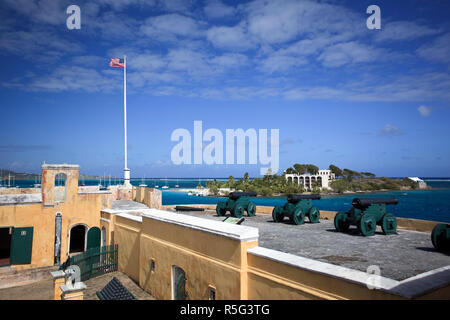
(221, 209)
(340, 222)
(389, 224)
(314, 215)
(367, 225)
(251, 209)
(277, 214)
(238, 211)
(298, 217)
(439, 242)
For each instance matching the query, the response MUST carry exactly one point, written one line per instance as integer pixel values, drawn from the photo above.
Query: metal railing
(95, 261)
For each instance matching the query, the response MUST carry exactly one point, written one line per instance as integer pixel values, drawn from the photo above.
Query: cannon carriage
(237, 203)
(366, 214)
(297, 207)
(440, 237)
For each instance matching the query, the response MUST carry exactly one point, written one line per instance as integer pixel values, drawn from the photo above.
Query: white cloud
(230, 38)
(39, 45)
(75, 78)
(281, 63)
(90, 61)
(438, 50)
(170, 26)
(348, 52)
(280, 21)
(229, 60)
(121, 4)
(425, 111)
(389, 131)
(216, 9)
(403, 30)
(42, 11)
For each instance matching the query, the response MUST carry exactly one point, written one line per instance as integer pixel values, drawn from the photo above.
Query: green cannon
(440, 237)
(237, 203)
(297, 207)
(366, 214)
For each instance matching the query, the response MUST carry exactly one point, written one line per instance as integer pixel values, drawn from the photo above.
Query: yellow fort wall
(76, 208)
(281, 280)
(231, 262)
(127, 234)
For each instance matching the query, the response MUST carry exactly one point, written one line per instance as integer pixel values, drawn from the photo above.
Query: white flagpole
(126, 171)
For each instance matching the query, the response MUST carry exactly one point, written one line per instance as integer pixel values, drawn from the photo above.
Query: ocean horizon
(431, 204)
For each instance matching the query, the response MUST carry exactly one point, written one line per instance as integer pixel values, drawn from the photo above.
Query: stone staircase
(11, 277)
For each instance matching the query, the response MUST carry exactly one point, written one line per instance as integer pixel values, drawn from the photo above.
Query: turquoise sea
(420, 204)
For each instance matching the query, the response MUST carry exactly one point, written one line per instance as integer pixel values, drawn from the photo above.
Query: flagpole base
(126, 177)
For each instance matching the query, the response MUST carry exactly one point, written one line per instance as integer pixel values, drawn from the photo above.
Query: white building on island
(323, 178)
(422, 184)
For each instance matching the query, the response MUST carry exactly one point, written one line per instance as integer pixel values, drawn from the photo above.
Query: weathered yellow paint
(57, 292)
(270, 279)
(127, 233)
(151, 197)
(78, 208)
(74, 295)
(107, 221)
(206, 258)
(210, 260)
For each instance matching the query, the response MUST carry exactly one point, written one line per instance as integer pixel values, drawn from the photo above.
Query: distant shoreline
(331, 194)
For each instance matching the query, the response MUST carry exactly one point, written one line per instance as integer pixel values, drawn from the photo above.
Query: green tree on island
(275, 185)
(312, 169)
(230, 182)
(336, 170)
(299, 169)
(368, 174)
(349, 175)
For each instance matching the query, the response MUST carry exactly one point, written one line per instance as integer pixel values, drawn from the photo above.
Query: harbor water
(431, 204)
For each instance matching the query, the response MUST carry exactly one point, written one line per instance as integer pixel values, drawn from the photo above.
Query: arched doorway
(77, 238)
(178, 283)
(93, 238)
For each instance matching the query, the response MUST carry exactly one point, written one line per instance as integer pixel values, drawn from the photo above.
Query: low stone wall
(402, 223)
(11, 277)
(151, 197)
(19, 190)
(227, 258)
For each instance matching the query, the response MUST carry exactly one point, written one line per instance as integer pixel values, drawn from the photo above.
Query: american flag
(116, 62)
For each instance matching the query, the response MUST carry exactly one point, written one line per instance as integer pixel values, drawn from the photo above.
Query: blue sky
(368, 100)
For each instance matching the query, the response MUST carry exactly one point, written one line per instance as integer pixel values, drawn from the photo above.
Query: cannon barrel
(361, 203)
(298, 197)
(236, 195)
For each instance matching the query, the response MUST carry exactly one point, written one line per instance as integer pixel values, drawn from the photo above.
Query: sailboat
(143, 183)
(177, 186)
(165, 186)
(37, 183)
(100, 186)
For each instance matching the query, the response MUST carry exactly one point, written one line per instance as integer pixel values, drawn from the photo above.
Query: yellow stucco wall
(211, 260)
(127, 235)
(151, 197)
(76, 209)
(270, 279)
(207, 259)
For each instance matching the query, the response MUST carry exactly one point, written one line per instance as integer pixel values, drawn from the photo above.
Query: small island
(307, 178)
